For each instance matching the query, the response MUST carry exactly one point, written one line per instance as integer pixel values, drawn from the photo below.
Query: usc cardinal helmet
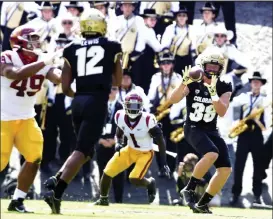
(25, 37)
(133, 105)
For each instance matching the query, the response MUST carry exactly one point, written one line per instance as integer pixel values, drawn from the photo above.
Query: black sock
(205, 199)
(59, 189)
(179, 184)
(192, 184)
(105, 184)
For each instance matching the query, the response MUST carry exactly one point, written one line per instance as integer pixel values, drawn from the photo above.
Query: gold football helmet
(210, 61)
(92, 22)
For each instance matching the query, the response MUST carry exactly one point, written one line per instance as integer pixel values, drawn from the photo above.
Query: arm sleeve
(167, 37)
(4, 13)
(223, 87)
(151, 40)
(239, 100)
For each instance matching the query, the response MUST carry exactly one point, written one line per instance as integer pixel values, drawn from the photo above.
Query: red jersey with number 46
(137, 133)
(18, 97)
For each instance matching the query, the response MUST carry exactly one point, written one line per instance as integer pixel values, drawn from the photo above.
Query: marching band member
(178, 37)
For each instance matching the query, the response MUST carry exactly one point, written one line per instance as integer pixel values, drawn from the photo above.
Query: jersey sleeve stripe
(147, 120)
(143, 172)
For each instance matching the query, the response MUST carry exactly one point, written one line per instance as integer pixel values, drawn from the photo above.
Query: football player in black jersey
(94, 63)
(206, 99)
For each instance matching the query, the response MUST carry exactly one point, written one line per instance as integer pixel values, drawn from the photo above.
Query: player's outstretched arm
(67, 79)
(26, 71)
(119, 139)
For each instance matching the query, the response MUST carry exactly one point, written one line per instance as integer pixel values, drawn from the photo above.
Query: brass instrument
(162, 114)
(43, 113)
(177, 135)
(125, 60)
(241, 126)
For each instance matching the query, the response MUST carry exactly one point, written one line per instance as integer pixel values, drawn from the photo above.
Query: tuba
(177, 135)
(241, 126)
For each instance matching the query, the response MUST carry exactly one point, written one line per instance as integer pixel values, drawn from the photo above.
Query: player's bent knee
(135, 181)
(212, 156)
(35, 160)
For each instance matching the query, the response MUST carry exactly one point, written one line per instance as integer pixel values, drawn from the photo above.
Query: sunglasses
(220, 35)
(114, 88)
(67, 22)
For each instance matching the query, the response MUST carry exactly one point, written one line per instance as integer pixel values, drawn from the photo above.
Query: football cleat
(151, 190)
(103, 201)
(54, 204)
(51, 183)
(204, 209)
(188, 197)
(18, 206)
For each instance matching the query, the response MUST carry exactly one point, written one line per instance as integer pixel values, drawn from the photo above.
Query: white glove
(49, 59)
(186, 78)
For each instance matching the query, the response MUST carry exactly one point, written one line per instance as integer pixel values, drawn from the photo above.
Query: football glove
(118, 147)
(186, 78)
(212, 86)
(166, 170)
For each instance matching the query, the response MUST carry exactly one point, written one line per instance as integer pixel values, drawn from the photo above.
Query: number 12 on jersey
(96, 53)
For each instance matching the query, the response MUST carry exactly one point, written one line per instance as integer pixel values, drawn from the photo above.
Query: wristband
(215, 98)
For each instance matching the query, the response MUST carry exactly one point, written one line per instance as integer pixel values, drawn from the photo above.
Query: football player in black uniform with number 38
(206, 99)
(94, 63)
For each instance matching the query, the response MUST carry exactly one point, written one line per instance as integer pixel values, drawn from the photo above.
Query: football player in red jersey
(23, 70)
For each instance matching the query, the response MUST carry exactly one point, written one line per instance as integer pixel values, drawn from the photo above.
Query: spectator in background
(75, 8)
(14, 14)
(190, 5)
(163, 10)
(178, 38)
(106, 145)
(46, 25)
(204, 32)
(251, 140)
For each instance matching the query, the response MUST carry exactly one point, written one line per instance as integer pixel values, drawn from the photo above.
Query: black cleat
(189, 197)
(103, 201)
(204, 209)
(234, 200)
(51, 183)
(18, 206)
(151, 190)
(54, 204)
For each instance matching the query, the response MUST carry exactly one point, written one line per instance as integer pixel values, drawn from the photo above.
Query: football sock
(59, 189)
(105, 185)
(19, 194)
(179, 183)
(205, 199)
(192, 183)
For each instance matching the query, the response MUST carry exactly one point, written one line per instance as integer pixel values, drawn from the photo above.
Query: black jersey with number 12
(200, 109)
(92, 62)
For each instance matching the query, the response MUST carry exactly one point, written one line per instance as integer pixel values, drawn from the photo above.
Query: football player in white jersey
(140, 128)
(23, 71)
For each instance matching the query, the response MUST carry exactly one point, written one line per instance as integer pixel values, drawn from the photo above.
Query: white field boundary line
(146, 212)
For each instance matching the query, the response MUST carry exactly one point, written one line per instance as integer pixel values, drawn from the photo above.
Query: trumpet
(241, 126)
(125, 60)
(177, 135)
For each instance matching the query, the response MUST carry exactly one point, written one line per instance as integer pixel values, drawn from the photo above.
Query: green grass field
(84, 210)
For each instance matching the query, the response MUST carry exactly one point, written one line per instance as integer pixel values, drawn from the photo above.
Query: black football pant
(249, 142)
(103, 156)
